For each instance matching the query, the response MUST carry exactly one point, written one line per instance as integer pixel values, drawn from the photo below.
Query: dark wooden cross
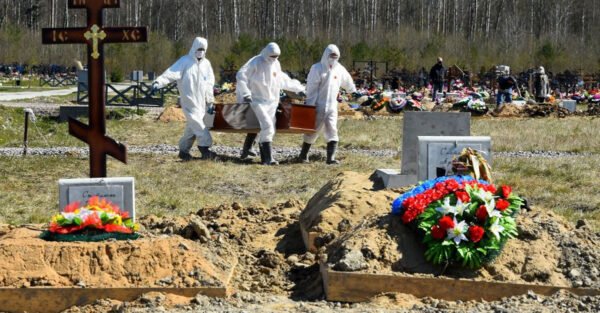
(95, 36)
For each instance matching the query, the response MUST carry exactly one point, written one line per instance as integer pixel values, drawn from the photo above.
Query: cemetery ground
(254, 210)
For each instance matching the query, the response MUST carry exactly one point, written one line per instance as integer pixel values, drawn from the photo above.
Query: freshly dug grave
(268, 242)
(342, 204)
(548, 250)
(152, 261)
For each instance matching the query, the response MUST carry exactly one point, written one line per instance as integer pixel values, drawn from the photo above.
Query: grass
(569, 186)
(171, 187)
(564, 185)
(573, 134)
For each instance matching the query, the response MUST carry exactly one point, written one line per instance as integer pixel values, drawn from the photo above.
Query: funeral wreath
(463, 221)
(98, 220)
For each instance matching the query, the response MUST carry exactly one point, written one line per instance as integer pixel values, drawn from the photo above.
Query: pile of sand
(172, 114)
(546, 110)
(510, 110)
(152, 261)
(352, 219)
(342, 204)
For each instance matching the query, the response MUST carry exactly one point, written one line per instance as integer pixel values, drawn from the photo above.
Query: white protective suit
(322, 87)
(195, 81)
(262, 79)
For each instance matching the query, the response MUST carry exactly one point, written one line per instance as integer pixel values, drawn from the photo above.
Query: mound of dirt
(271, 254)
(341, 205)
(546, 110)
(172, 114)
(152, 261)
(510, 110)
(369, 239)
(346, 112)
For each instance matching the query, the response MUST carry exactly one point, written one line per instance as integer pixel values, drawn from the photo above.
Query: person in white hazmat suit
(322, 87)
(259, 83)
(195, 81)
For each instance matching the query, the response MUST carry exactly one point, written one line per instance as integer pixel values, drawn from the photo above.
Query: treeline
(474, 34)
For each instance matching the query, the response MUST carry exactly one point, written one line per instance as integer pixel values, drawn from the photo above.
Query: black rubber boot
(303, 157)
(267, 150)
(206, 153)
(247, 149)
(185, 156)
(262, 153)
(331, 150)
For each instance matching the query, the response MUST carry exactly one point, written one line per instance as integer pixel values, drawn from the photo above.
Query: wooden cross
(95, 36)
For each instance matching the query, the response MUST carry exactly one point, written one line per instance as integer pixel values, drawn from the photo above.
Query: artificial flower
(476, 233)
(438, 232)
(506, 191)
(446, 223)
(446, 207)
(502, 205)
(458, 232)
(496, 229)
(482, 213)
(463, 196)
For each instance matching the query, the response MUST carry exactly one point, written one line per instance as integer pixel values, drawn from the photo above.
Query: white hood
(198, 43)
(325, 58)
(271, 49)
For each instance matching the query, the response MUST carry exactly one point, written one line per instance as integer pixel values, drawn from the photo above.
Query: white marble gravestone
(437, 152)
(422, 124)
(118, 190)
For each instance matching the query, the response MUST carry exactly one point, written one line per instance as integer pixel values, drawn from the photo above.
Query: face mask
(333, 62)
(200, 54)
(272, 59)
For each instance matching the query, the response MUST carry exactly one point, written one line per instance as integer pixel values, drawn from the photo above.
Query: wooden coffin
(292, 118)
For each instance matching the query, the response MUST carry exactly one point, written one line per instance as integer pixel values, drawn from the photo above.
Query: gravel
(244, 302)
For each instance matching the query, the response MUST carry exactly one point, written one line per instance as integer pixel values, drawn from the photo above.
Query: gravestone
(570, 105)
(436, 153)
(429, 124)
(422, 124)
(118, 190)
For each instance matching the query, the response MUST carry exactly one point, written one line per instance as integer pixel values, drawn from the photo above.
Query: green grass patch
(573, 134)
(568, 186)
(165, 186)
(45, 132)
